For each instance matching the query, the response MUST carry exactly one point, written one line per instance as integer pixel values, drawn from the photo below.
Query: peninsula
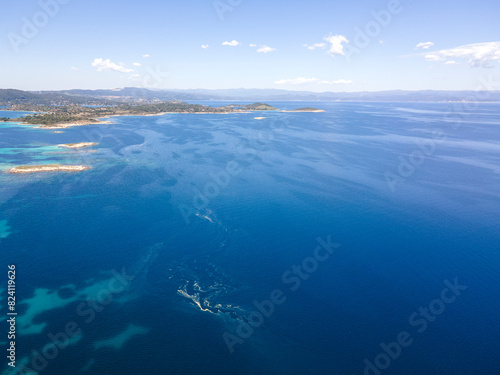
(76, 115)
(61, 110)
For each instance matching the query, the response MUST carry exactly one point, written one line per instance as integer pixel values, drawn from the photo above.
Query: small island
(48, 168)
(253, 107)
(306, 109)
(78, 145)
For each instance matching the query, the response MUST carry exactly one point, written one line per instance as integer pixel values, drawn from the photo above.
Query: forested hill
(10, 97)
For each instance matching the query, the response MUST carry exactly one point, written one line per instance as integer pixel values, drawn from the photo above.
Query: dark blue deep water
(362, 240)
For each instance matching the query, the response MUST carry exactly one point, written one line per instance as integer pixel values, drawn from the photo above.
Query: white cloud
(296, 81)
(425, 45)
(233, 43)
(204, 46)
(146, 56)
(315, 46)
(337, 82)
(451, 62)
(265, 49)
(137, 64)
(476, 55)
(336, 47)
(107, 66)
(433, 58)
(74, 68)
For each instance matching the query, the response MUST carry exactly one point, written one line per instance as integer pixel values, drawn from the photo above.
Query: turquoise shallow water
(4, 229)
(210, 216)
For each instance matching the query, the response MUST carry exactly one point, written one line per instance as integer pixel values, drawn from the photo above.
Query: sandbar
(48, 168)
(78, 145)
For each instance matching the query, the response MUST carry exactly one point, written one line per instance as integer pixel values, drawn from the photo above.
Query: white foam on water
(196, 300)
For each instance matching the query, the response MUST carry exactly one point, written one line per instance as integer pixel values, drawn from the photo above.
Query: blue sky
(314, 45)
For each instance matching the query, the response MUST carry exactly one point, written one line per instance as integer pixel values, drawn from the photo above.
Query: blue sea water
(212, 215)
(14, 114)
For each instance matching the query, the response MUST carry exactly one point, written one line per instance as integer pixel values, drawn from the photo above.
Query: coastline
(70, 125)
(175, 113)
(103, 121)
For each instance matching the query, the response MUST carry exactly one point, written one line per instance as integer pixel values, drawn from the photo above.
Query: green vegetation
(10, 96)
(253, 107)
(259, 107)
(53, 118)
(173, 106)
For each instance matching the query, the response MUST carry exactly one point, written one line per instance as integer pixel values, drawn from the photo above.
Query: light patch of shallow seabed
(28, 150)
(41, 155)
(12, 125)
(118, 341)
(87, 366)
(4, 229)
(46, 300)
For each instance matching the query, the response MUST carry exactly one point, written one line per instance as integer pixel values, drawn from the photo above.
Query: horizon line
(270, 89)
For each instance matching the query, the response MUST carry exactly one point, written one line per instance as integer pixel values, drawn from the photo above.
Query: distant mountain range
(135, 93)
(10, 96)
(285, 95)
(379, 96)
